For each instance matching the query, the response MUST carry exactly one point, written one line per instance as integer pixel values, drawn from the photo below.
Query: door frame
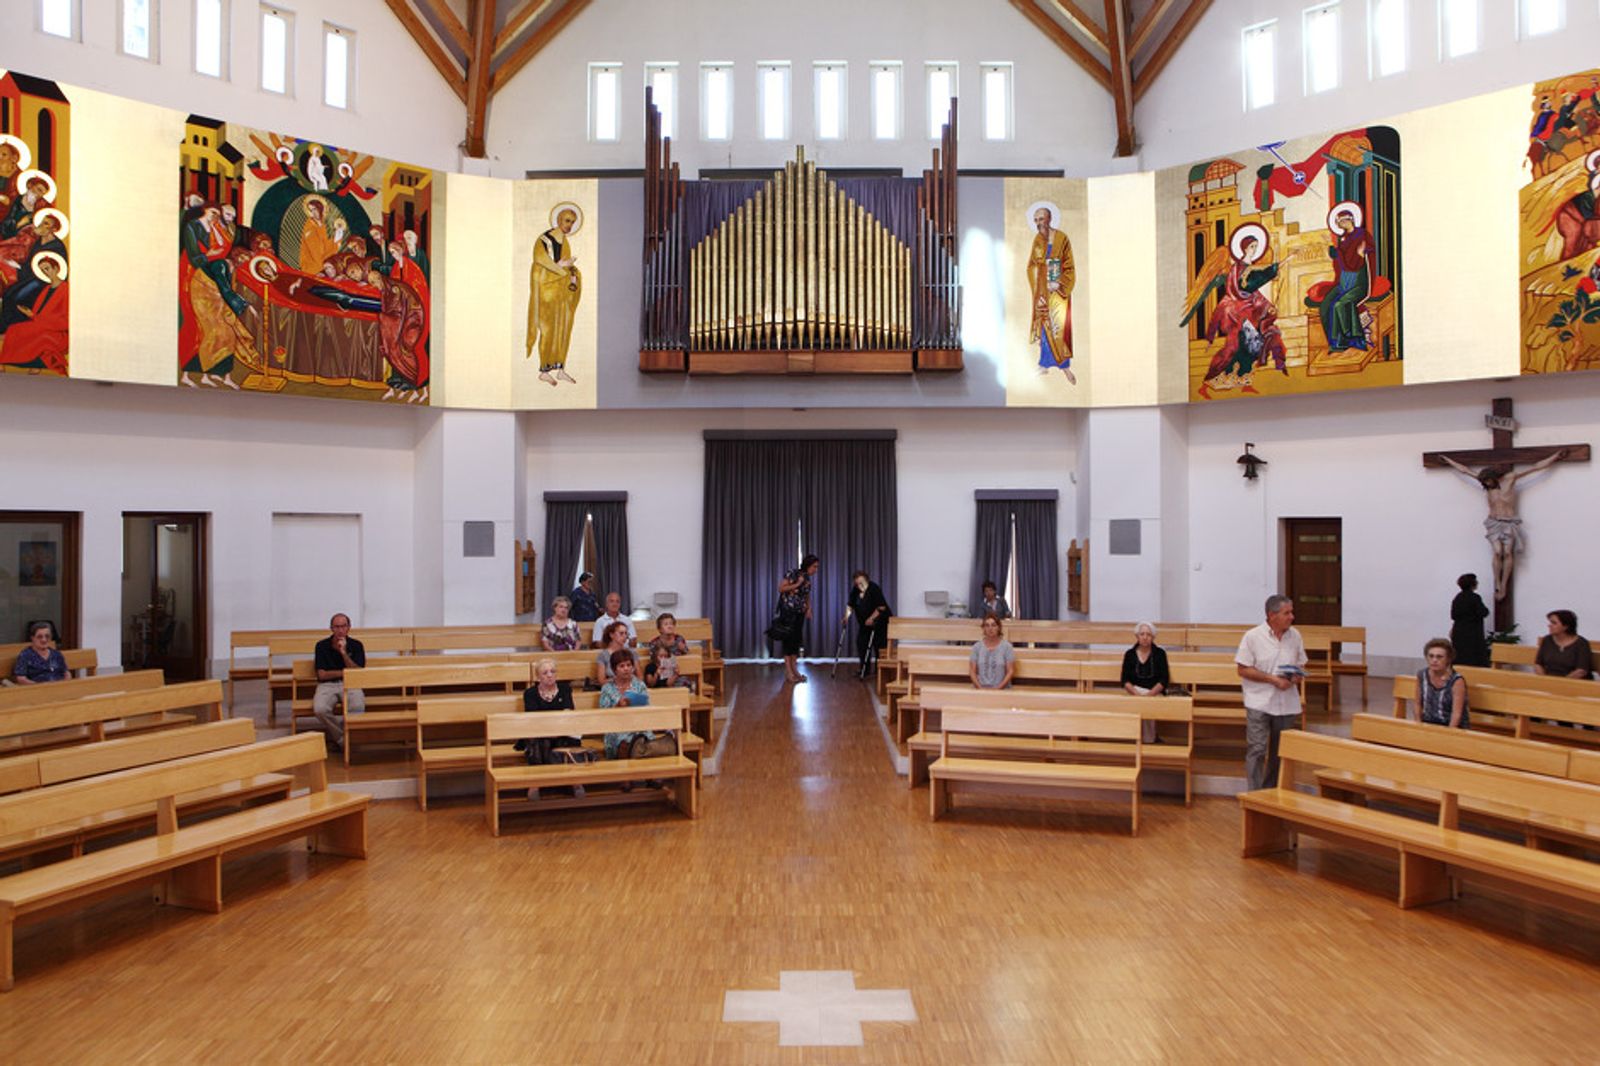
(200, 660)
(69, 568)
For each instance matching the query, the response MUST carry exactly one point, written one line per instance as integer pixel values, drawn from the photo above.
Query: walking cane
(871, 654)
(838, 649)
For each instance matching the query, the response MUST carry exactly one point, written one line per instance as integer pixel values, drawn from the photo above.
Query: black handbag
(785, 627)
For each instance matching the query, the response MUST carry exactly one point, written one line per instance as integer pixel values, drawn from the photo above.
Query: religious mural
(1292, 257)
(34, 156)
(1560, 227)
(303, 267)
(556, 259)
(1046, 229)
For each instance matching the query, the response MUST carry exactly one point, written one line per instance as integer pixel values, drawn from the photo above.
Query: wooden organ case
(799, 273)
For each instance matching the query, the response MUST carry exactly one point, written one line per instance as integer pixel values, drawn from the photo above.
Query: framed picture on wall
(36, 563)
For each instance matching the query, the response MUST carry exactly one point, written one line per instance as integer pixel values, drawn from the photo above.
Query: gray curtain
(837, 495)
(991, 548)
(850, 519)
(1038, 571)
(611, 550)
(563, 543)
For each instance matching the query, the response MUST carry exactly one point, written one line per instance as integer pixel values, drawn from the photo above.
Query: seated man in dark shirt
(585, 606)
(334, 654)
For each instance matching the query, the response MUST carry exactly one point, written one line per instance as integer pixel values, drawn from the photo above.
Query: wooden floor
(1041, 936)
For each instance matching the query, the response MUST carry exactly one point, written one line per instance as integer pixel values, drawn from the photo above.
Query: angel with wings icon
(1245, 319)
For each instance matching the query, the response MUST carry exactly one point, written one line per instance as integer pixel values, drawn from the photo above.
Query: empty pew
(396, 716)
(108, 715)
(1518, 681)
(1176, 754)
(19, 773)
(1513, 656)
(1428, 852)
(184, 861)
(676, 771)
(994, 771)
(450, 732)
(77, 687)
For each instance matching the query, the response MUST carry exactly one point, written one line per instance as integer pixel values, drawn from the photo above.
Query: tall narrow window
(772, 88)
(716, 101)
(1458, 27)
(1538, 17)
(138, 28)
(210, 36)
(1320, 34)
(662, 78)
(886, 100)
(605, 101)
(832, 96)
(996, 78)
(1260, 48)
(1386, 26)
(57, 18)
(338, 65)
(942, 85)
(277, 50)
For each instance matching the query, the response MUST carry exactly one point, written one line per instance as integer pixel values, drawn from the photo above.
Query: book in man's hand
(1290, 670)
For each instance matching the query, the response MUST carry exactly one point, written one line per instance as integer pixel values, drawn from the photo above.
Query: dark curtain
(611, 550)
(1038, 571)
(837, 496)
(563, 544)
(850, 519)
(991, 548)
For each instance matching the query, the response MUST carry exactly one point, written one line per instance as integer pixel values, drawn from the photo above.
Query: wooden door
(1314, 578)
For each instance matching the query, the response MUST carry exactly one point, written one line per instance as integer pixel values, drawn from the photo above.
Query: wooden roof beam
(1121, 77)
(446, 19)
(1065, 41)
(518, 21)
(1147, 25)
(431, 47)
(1168, 47)
(1083, 23)
(478, 76)
(524, 52)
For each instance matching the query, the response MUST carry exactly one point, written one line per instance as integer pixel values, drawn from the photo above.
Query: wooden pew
(1427, 853)
(1516, 680)
(1342, 638)
(108, 715)
(1176, 755)
(1523, 713)
(397, 717)
(694, 631)
(450, 731)
(987, 772)
(676, 770)
(1045, 674)
(77, 687)
(1487, 749)
(81, 662)
(185, 861)
(1513, 656)
(285, 652)
(475, 638)
(57, 766)
(243, 641)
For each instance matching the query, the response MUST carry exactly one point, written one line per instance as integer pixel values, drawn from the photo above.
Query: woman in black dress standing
(1467, 612)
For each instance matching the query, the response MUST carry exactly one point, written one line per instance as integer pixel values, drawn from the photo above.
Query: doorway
(165, 622)
(1315, 575)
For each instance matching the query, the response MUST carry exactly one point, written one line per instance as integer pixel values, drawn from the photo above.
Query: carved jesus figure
(1503, 527)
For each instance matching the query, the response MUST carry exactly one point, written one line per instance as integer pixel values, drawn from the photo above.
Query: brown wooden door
(1315, 570)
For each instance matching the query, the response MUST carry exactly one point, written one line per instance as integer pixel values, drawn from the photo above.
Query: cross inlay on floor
(819, 1008)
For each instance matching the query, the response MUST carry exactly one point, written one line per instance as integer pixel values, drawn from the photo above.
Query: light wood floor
(1041, 936)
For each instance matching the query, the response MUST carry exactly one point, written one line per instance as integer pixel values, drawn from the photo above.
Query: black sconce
(1250, 461)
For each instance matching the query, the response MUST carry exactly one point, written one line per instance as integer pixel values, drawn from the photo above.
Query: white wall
(1195, 110)
(539, 120)
(1407, 531)
(115, 448)
(400, 106)
(657, 457)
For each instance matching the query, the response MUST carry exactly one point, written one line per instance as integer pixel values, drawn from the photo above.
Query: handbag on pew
(646, 746)
(576, 756)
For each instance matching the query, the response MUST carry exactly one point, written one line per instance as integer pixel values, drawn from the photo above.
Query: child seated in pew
(661, 667)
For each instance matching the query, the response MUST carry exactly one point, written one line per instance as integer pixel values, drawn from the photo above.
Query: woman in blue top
(1441, 692)
(623, 690)
(39, 662)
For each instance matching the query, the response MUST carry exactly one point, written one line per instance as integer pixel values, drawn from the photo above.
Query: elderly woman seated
(1144, 671)
(39, 662)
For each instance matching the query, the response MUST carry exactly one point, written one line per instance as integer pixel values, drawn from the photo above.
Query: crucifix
(1497, 476)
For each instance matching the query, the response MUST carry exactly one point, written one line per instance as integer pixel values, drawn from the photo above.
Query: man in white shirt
(1271, 659)
(613, 614)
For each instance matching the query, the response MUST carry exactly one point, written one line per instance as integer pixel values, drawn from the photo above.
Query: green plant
(1508, 635)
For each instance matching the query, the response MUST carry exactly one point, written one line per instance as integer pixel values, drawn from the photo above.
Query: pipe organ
(799, 273)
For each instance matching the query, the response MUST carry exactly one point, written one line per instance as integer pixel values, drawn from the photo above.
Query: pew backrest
(1572, 687)
(58, 765)
(104, 707)
(1529, 756)
(1513, 656)
(84, 662)
(437, 672)
(1515, 702)
(503, 727)
(1079, 724)
(78, 687)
